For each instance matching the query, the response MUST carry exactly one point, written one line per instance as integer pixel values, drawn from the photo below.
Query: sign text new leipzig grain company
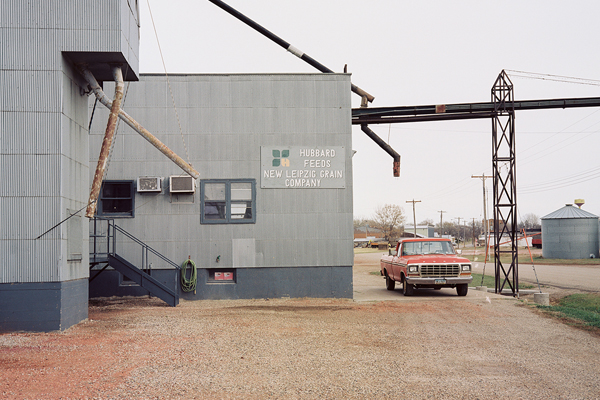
(303, 167)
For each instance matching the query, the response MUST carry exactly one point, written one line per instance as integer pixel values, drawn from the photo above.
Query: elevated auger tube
(115, 107)
(386, 147)
(102, 98)
(303, 56)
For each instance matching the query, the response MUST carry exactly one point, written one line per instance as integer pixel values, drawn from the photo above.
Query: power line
(558, 186)
(554, 78)
(564, 140)
(569, 178)
(168, 82)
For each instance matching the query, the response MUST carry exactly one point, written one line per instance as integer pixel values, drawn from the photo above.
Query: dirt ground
(428, 348)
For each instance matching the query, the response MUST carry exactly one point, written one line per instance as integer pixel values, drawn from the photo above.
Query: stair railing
(110, 243)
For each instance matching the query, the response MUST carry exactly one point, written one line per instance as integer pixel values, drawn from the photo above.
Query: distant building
(424, 231)
(364, 232)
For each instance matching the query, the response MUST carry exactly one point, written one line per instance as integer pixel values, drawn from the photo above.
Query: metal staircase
(104, 251)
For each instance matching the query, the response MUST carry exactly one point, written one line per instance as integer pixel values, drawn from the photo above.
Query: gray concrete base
(247, 283)
(43, 306)
(541, 299)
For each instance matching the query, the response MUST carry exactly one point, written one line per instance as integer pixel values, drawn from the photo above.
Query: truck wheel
(390, 284)
(462, 289)
(408, 289)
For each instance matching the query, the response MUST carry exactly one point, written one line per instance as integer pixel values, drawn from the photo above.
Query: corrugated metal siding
(42, 137)
(20, 54)
(75, 14)
(225, 121)
(29, 91)
(44, 149)
(570, 238)
(23, 258)
(38, 31)
(29, 175)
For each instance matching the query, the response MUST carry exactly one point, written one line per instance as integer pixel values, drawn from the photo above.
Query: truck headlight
(465, 267)
(413, 268)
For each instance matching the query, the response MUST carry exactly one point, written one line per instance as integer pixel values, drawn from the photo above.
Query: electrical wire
(549, 77)
(169, 83)
(528, 157)
(585, 174)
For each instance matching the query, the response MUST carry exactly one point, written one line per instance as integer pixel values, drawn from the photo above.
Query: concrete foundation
(542, 299)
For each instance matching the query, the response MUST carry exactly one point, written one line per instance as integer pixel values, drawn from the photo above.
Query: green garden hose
(188, 285)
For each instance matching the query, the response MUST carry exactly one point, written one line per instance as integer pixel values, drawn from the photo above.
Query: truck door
(395, 263)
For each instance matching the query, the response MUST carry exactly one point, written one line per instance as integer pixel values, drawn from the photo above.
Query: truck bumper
(450, 281)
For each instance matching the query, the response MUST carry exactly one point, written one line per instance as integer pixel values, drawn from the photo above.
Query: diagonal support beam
(154, 141)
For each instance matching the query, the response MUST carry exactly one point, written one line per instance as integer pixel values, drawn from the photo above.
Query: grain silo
(570, 233)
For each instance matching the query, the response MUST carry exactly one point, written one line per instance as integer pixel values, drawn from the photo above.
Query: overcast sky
(413, 53)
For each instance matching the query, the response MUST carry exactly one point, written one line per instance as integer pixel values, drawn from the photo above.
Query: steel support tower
(505, 185)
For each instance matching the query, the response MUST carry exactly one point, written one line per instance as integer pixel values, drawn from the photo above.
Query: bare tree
(427, 222)
(530, 221)
(389, 219)
(360, 222)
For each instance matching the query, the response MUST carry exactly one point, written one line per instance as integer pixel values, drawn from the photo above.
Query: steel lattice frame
(505, 183)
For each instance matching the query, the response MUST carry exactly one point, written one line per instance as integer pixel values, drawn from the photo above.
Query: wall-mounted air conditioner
(147, 184)
(182, 184)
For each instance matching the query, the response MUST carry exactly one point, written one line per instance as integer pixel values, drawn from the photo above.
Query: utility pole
(441, 222)
(473, 233)
(483, 177)
(413, 201)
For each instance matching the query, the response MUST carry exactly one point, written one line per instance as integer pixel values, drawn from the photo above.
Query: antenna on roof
(366, 97)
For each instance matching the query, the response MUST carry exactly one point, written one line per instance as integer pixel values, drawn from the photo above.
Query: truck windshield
(426, 247)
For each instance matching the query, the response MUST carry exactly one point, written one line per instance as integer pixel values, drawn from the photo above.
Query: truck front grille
(439, 270)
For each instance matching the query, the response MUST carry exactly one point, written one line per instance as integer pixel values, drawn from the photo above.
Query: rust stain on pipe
(181, 163)
(106, 143)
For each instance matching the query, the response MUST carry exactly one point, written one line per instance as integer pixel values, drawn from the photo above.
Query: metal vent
(181, 184)
(149, 184)
(439, 270)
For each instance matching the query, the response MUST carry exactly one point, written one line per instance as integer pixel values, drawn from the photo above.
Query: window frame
(101, 198)
(228, 201)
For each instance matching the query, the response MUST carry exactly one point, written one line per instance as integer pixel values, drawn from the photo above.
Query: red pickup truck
(426, 263)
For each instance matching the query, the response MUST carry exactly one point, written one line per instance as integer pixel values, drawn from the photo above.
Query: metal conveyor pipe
(109, 135)
(181, 163)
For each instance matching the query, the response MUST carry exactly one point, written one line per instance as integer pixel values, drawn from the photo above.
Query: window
(230, 201)
(116, 199)
(427, 247)
(221, 275)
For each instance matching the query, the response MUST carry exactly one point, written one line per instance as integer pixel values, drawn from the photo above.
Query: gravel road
(435, 346)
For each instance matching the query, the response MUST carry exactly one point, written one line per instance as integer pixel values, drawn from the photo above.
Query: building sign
(303, 167)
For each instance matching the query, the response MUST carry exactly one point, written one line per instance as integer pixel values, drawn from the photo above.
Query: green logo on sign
(281, 158)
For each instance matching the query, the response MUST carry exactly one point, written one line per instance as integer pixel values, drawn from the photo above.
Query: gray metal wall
(225, 120)
(44, 141)
(570, 238)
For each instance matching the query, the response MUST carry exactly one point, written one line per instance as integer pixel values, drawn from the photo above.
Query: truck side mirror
(393, 252)
(458, 251)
